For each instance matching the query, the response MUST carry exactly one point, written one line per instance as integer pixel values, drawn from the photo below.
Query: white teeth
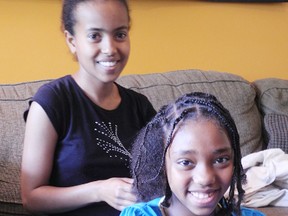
(108, 64)
(201, 195)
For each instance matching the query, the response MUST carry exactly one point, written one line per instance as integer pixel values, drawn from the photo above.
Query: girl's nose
(108, 46)
(204, 175)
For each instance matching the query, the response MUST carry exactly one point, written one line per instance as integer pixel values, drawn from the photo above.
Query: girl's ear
(70, 40)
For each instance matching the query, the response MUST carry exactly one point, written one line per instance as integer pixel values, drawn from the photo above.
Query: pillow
(276, 126)
(272, 95)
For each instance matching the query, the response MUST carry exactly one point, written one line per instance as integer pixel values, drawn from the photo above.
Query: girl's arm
(37, 196)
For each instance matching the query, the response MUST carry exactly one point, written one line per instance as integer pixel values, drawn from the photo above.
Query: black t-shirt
(94, 143)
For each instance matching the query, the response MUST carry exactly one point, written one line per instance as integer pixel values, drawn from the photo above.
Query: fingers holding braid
(117, 192)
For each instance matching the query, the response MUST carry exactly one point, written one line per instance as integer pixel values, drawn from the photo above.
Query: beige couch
(259, 109)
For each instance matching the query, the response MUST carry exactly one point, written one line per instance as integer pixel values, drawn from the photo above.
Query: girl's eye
(121, 35)
(94, 36)
(222, 160)
(185, 163)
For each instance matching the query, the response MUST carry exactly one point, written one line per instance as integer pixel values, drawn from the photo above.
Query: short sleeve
(133, 211)
(143, 209)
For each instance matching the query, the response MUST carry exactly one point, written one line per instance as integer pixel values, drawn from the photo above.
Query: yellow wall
(246, 39)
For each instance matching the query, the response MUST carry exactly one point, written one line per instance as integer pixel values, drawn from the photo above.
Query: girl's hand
(117, 192)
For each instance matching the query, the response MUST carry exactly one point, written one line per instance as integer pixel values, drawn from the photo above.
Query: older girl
(79, 127)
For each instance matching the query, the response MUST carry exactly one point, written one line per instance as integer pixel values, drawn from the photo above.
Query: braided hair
(150, 147)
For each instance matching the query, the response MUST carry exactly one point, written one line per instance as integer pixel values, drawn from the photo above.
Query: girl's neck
(104, 95)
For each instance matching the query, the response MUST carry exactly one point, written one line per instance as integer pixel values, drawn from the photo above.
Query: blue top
(151, 208)
(93, 143)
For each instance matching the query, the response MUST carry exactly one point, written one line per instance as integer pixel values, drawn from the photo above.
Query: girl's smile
(204, 197)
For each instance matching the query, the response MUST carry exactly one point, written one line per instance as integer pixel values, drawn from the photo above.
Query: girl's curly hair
(151, 144)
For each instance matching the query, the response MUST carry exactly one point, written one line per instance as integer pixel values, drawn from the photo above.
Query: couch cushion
(13, 101)
(234, 92)
(272, 95)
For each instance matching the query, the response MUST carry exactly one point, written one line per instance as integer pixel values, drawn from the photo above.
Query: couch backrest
(236, 94)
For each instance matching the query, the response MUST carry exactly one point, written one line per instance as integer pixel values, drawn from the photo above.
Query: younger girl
(186, 158)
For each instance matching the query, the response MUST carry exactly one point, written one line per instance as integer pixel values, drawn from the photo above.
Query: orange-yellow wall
(242, 38)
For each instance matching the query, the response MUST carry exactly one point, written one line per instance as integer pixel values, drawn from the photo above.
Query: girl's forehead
(108, 14)
(112, 4)
(112, 7)
(199, 137)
